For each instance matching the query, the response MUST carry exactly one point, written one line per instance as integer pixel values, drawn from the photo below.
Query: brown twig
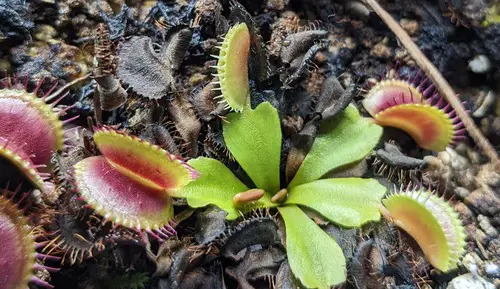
(433, 73)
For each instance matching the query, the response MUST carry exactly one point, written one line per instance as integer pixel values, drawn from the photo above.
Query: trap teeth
(30, 130)
(413, 106)
(18, 249)
(232, 67)
(433, 224)
(131, 181)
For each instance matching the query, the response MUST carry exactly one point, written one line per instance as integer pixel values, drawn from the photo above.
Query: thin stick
(434, 74)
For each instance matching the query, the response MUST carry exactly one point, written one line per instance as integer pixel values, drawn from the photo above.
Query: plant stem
(433, 73)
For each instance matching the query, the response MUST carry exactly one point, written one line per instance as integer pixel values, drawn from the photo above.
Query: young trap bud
(242, 199)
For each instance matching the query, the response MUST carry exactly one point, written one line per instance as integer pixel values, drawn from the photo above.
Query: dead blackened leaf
(367, 265)
(258, 60)
(333, 99)
(207, 108)
(159, 135)
(255, 231)
(346, 238)
(298, 43)
(177, 42)
(186, 122)
(104, 51)
(79, 235)
(166, 254)
(148, 72)
(285, 278)
(141, 67)
(201, 278)
(392, 156)
(215, 147)
(301, 144)
(306, 62)
(292, 125)
(210, 224)
(111, 93)
(257, 265)
(207, 11)
(392, 164)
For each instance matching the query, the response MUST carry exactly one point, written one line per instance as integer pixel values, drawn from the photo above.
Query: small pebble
(494, 247)
(485, 106)
(466, 178)
(492, 270)
(480, 64)
(469, 281)
(489, 176)
(486, 226)
(45, 33)
(474, 156)
(474, 269)
(461, 192)
(411, 26)
(357, 9)
(445, 157)
(485, 125)
(381, 50)
(466, 215)
(458, 162)
(475, 234)
(472, 262)
(485, 201)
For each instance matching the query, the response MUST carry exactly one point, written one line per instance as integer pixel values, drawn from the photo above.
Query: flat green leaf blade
(254, 139)
(343, 140)
(216, 185)
(349, 202)
(315, 258)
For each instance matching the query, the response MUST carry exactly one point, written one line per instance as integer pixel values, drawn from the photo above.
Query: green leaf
(348, 202)
(315, 258)
(343, 140)
(216, 185)
(254, 139)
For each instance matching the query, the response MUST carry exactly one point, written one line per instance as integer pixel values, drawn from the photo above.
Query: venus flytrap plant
(413, 104)
(19, 256)
(432, 222)
(130, 183)
(232, 68)
(254, 138)
(30, 129)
